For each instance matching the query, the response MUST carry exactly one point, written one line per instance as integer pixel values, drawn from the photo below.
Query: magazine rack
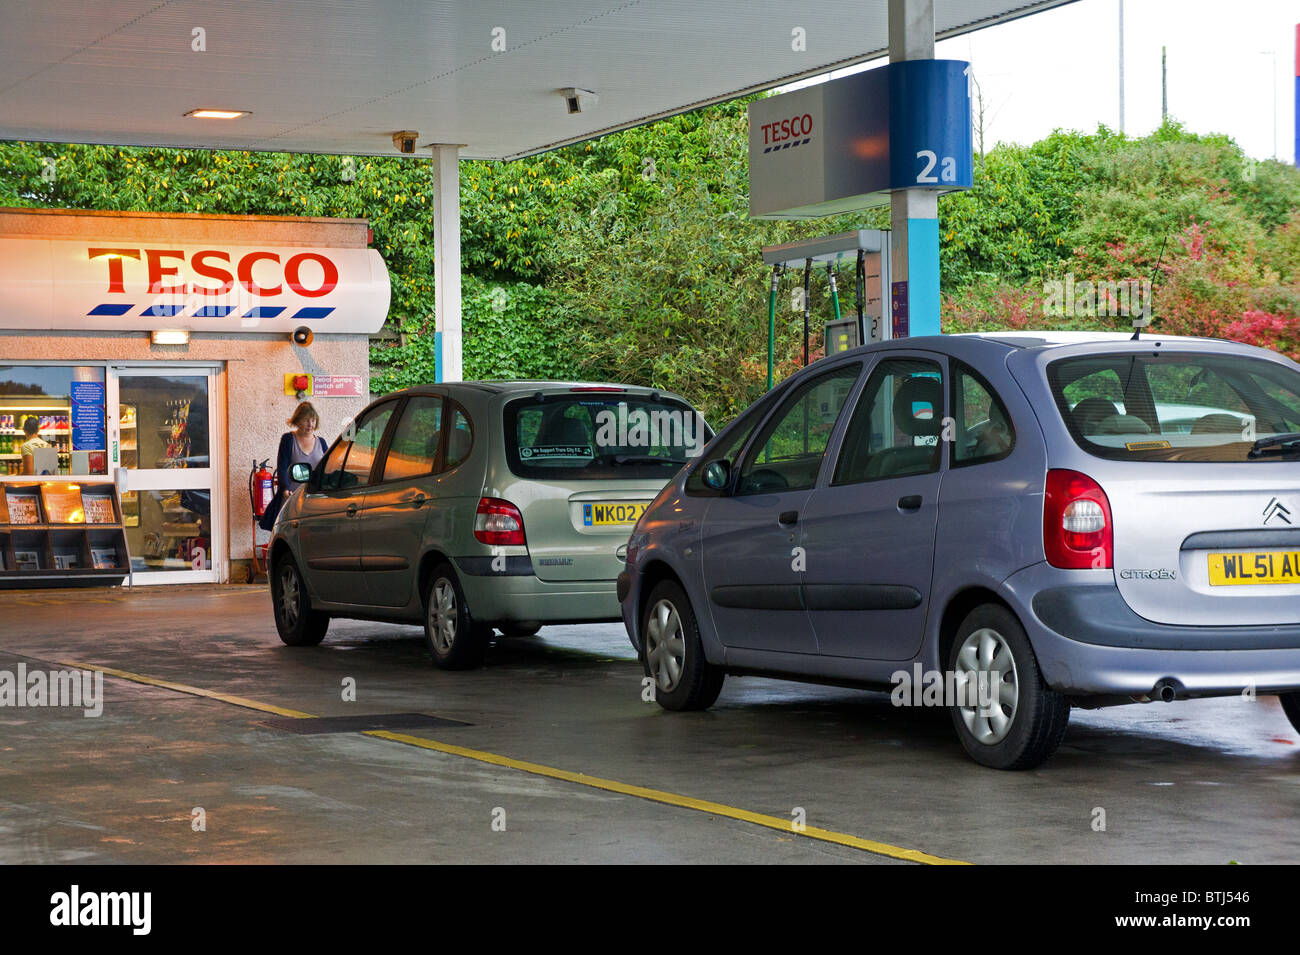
(61, 532)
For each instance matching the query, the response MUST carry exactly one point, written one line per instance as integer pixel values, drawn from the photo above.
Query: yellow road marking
(671, 799)
(191, 690)
(537, 769)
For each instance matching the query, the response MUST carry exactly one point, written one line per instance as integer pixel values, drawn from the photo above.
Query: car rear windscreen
(601, 436)
(1179, 407)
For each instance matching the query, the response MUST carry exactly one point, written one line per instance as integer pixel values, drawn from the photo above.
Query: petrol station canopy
(342, 76)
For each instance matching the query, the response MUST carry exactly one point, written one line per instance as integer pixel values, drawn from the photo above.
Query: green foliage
(510, 330)
(1141, 194)
(1013, 223)
(1228, 227)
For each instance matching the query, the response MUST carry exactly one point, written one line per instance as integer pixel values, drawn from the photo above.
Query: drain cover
(359, 724)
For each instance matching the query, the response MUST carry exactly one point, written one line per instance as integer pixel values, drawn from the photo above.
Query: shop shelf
(49, 544)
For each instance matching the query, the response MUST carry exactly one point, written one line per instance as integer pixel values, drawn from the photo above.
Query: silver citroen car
(1007, 525)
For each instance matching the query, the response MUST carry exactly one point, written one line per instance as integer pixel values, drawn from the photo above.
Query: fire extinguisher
(261, 487)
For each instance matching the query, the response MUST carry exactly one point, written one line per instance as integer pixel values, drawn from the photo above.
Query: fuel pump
(868, 250)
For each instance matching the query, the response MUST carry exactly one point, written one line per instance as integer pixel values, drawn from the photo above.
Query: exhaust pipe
(1167, 689)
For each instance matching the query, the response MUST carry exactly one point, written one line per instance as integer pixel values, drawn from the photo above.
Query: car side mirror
(717, 474)
(300, 473)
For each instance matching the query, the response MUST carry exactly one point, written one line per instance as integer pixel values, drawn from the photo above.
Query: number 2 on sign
(948, 168)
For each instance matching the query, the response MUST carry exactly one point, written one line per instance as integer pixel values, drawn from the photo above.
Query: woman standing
(299, 446)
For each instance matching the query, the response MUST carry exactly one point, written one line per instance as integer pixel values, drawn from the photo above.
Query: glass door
(161, 444)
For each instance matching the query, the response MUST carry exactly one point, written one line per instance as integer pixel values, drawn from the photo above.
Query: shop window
(66, 406)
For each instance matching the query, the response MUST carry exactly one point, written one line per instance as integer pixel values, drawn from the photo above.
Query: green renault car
(470, 506)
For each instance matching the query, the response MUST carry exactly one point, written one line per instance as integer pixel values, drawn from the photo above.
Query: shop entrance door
(162, 446)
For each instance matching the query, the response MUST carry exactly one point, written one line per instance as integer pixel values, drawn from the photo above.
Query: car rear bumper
(514, 597)
(1088, 642)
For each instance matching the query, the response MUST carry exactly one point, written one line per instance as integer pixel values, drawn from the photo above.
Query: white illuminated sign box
(135, 285)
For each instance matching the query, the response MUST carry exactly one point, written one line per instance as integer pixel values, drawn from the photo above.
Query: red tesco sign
(206, 264)
(792, 128)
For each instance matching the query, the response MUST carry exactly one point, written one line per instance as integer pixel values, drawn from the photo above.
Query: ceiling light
(218, 113)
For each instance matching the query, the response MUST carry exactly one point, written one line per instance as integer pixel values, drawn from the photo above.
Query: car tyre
(456, 641)
(673, 653)
(1291, 707)
(1027, 722)
(295, 620)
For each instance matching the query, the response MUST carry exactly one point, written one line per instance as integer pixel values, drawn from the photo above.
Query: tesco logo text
(784, 129)
(164, 267)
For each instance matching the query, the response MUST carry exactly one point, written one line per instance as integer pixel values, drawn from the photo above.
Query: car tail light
(498, 522)
(599, 388)
(1077, 528)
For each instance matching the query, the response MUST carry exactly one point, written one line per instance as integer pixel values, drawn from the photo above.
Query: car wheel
(1025, 721)
(456, 640)
(674, 655)
(521, 630)
(298, 624)
(1291, 707)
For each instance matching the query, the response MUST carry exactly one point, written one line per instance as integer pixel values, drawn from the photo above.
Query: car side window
(729, 450)
(460, 437)
(332, 468)
(896, 426)
(984, 429)
(366, 435)
(414, 447)
(787, 454)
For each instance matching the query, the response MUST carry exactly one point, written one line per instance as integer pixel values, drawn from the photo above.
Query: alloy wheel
(986, 651)
(665, 645)
(290, 596)
(443, 615)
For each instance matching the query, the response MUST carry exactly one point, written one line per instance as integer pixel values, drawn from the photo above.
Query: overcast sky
(1060, 69)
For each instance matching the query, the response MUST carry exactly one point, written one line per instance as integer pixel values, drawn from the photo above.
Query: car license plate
(612, 513)
(1253, 567)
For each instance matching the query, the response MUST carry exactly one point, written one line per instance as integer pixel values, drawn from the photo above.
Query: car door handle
(352, 510)
(418, 501)
(912, 502)
(788, 517)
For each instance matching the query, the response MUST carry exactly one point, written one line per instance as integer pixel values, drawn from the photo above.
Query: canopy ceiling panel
(341, 76)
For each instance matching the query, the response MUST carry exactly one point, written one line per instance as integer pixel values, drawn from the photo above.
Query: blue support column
(923, 275)
(914, 263)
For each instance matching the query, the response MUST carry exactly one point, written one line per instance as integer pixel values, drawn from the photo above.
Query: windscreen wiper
(1279, 444)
